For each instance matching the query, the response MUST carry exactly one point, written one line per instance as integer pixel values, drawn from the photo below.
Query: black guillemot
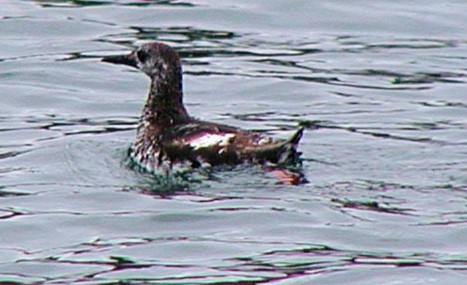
(167, 135)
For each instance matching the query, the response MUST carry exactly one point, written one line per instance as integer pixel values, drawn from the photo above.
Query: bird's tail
(289, 154)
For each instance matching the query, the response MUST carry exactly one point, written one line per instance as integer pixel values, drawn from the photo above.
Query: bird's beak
(129, 59)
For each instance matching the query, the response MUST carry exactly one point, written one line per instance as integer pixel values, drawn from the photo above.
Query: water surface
(380, 86)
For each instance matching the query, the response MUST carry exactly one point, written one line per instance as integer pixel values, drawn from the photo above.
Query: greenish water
(381, 87)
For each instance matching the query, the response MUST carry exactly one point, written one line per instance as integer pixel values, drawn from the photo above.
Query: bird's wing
(201, 142)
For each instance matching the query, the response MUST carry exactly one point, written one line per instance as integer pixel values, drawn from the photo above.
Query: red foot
(286, 177)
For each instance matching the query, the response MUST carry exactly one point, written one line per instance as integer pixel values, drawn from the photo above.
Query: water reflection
(90, 3)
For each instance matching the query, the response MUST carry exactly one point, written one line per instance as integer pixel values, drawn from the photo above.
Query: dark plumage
(167, 135)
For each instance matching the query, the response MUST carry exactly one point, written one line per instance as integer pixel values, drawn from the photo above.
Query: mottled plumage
(167, 135)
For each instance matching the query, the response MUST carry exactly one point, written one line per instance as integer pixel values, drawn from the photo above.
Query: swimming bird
(167, 135)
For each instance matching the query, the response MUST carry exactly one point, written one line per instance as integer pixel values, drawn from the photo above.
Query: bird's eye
(142, 55)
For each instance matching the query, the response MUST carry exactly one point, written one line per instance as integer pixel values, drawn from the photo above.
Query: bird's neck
(166, 94)
(164, 106)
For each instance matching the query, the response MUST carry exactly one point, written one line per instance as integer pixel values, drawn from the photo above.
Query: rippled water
(380, 85)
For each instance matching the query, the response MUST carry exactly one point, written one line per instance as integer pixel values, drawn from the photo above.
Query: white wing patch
(209, 140)
(264, 140)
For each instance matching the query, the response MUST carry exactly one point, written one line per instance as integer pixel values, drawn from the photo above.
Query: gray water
(380, 85)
